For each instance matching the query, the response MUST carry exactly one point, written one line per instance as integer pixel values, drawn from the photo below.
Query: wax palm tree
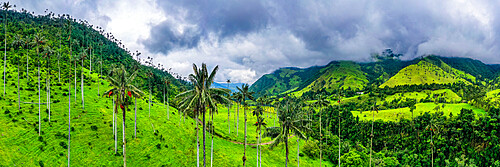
(434, 128)
(6, 6)
(38, 40)
(47, 51)
(374, 109)
(69, 92)
(122, 87)
(201, 96)
(82, 57)
(293, 121)
(259, 124)
(17, 43)
(321, 102)
(245, 94)
(237, 97)
(228, 112)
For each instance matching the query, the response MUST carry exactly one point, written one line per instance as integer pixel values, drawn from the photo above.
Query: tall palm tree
(434, 128)
(122, 87)
(245, 94)
(228, 112)
(48, 52)
(18, 42)
(293, 121)
(83, 56)
(374, 109)
(237, 97)
(38, 40)
(68, 25)
(201, 96)
(321, 102)
(6, 6)
(75, 58)
(259, 124)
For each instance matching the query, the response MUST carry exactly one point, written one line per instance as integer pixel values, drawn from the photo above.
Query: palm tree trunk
(149, 104)
(371, 138)
(18, 88)
(39, 93)
(135, 119)
(204, 138)
(245, 149)
(58, 59)
(257, 150)
(298, 151)
(168, 106)
(320, 140)
(197, 142)
(212, 149)
(75, 81)
(237, 119)
(260, 141)
(432, 152)
(339, 134)
(5, 55)
(27, 66)
(69, 119)
(228, 123)
(114, 123)
(83, 100)
(124, 141)
(286, 148)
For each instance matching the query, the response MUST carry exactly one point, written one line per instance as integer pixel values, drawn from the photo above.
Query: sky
(250, 38)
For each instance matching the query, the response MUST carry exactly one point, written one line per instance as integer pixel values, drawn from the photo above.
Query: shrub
(93, 127)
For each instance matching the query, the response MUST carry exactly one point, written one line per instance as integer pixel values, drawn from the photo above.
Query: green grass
(400, 113)
(426, 73)
(20, 144)
(448, 94)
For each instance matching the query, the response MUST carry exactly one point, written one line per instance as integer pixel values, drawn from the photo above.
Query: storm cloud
(249, 38)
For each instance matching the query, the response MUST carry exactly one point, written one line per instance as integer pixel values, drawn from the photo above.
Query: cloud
(249, 38)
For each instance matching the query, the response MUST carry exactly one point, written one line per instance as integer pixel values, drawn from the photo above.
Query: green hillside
(283, 80)
(425, 72)
(338, 75)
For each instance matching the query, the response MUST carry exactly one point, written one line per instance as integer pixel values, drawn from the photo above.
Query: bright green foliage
(427, 73)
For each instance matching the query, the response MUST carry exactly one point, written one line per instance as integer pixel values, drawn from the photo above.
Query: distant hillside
(474, 67)
(425, 72)
(343, 75)
(284, 79)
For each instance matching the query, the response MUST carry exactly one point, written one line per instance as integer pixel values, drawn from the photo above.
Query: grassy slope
(283, 79)
(448, 94)
(426, 73)
(400, 113)
(20, 145)
(338, 75)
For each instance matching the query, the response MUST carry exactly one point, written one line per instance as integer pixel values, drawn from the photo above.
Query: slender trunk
(58, 59)
(371, 138)
(286, 148)
(39, 93)
(149, 104)
(75, 81)
(135, 119)
(83, 100)
(27, 66)
(69, 119)
(245, 150)
(18, 88)
(212, 149)
(197, 142)
(204, 137)
(320, 141)
(114, 123)
(260, 141)
(164, 101)
(432, 152)
(298, 151)
(5, 55)
(168, 106)
(90, 72)
(339, 136)
(257, 149)
(47, 85)
(237, 119)
(228, 123)
(124, 141)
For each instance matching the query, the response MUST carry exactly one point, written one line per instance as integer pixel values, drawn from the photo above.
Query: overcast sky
(249, 38)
